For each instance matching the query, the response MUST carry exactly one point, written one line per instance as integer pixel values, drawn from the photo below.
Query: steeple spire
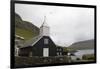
(44, 29)
(44, 22)
(44, 19)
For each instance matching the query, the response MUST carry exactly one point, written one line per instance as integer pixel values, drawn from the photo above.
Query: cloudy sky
(67, 24)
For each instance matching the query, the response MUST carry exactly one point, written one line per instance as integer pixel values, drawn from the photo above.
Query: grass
(88, 57)
(27, 34)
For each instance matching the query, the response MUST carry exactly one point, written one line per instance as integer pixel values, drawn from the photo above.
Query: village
(41, 50)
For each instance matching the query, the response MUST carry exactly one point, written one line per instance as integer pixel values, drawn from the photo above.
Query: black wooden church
(41, 45)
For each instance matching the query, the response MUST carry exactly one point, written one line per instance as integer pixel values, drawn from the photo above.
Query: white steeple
(44, 29)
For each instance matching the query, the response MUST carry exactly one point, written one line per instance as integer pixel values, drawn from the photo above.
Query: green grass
(88, 57)
(27, 34)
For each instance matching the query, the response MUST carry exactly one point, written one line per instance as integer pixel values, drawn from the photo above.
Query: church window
(46, 41)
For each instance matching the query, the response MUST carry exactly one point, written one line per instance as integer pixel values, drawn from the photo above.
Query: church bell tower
(44, 29)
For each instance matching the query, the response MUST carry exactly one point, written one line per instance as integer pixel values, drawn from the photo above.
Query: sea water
(80, 53)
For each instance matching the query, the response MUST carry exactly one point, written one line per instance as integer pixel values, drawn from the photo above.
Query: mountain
(24, 28)
(88, 44)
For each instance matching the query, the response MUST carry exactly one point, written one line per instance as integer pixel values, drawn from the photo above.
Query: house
(41, 45)
(18, 43)
(59, 51)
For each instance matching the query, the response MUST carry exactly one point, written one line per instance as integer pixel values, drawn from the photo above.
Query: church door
(45, 52)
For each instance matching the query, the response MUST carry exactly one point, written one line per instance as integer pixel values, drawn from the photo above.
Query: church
(41, 45)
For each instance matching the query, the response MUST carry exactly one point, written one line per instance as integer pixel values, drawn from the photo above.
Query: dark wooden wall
(38, 47)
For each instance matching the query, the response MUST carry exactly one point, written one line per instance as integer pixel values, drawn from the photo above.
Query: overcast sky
(67, 24)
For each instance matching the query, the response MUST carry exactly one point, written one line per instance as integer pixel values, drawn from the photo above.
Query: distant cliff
(88, 44)
(24, 28)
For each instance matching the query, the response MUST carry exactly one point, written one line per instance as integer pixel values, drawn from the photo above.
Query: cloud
(67, 24)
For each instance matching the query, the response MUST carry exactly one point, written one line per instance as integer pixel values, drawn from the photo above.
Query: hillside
(88, 44)
(24, 28)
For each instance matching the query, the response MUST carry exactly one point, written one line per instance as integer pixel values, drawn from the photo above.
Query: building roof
(32, 41)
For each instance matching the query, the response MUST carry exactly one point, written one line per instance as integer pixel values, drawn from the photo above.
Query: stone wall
(35, 61)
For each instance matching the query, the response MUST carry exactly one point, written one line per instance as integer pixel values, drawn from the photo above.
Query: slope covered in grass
(24, 28)
(88, 44)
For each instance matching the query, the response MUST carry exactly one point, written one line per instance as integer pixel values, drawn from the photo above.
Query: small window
(60, 53)
(59, 49)
(46, 41)
(57, 53)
